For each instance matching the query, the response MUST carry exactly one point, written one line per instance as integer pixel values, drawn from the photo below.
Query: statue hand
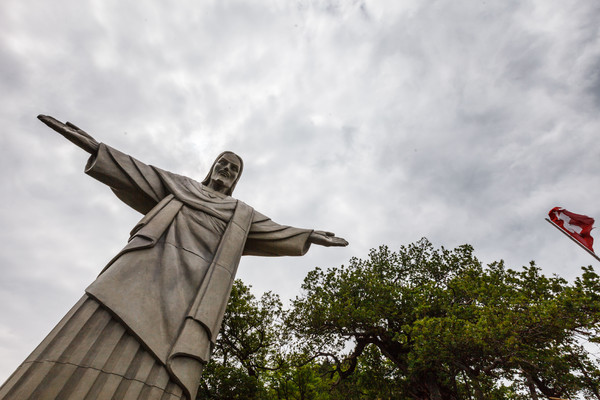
(71, 133)
(327, 239)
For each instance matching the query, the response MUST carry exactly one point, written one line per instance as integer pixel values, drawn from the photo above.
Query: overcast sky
(383, 121)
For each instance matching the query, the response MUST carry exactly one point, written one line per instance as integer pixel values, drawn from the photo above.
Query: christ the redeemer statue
(146, 326)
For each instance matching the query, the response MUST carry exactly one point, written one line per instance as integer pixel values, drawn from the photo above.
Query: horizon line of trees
(420, 324)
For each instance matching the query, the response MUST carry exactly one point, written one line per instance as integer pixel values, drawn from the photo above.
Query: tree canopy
(418, 323)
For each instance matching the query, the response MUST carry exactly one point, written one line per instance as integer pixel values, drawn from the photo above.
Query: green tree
(450, 328)
(246, 348)
(298, 382)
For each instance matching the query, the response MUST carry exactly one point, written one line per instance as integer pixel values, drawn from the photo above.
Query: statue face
(225, 171)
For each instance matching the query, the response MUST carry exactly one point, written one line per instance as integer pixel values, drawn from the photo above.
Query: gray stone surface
(169, 286)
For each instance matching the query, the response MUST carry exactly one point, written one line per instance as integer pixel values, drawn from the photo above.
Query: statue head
(225, 172)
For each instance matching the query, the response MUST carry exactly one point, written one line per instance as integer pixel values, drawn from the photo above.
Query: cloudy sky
(383, 121)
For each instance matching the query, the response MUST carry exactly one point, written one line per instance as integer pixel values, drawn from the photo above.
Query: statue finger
(79, 130)
(55, 124)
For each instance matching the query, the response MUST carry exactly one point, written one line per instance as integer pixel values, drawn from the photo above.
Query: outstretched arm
(135, 183)
(327, 239)
(268, 238)
(71, 133)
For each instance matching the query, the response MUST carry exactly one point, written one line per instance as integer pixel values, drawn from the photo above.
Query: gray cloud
(381, 121)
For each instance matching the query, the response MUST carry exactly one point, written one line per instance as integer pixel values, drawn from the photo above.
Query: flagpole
(573, 239)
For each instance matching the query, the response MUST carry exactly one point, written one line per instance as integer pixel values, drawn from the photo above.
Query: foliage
(452, 328)
(419, 323)
(221, 382)
(245, 348)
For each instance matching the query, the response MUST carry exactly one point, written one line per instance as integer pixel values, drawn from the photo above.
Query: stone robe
(170, 285)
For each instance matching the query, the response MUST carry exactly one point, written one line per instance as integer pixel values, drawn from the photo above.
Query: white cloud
(382, 121)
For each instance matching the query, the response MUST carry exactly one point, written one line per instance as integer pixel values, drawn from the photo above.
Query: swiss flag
(575, 225)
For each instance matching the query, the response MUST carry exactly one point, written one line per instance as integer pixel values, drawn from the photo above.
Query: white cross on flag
(575, 225)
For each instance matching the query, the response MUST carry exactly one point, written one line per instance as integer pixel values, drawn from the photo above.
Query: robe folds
(170, 285)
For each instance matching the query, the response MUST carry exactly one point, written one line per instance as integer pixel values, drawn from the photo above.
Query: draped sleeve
(138, 185)
(268, 238)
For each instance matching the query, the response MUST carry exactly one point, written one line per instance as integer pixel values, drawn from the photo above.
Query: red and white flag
(575, 225)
